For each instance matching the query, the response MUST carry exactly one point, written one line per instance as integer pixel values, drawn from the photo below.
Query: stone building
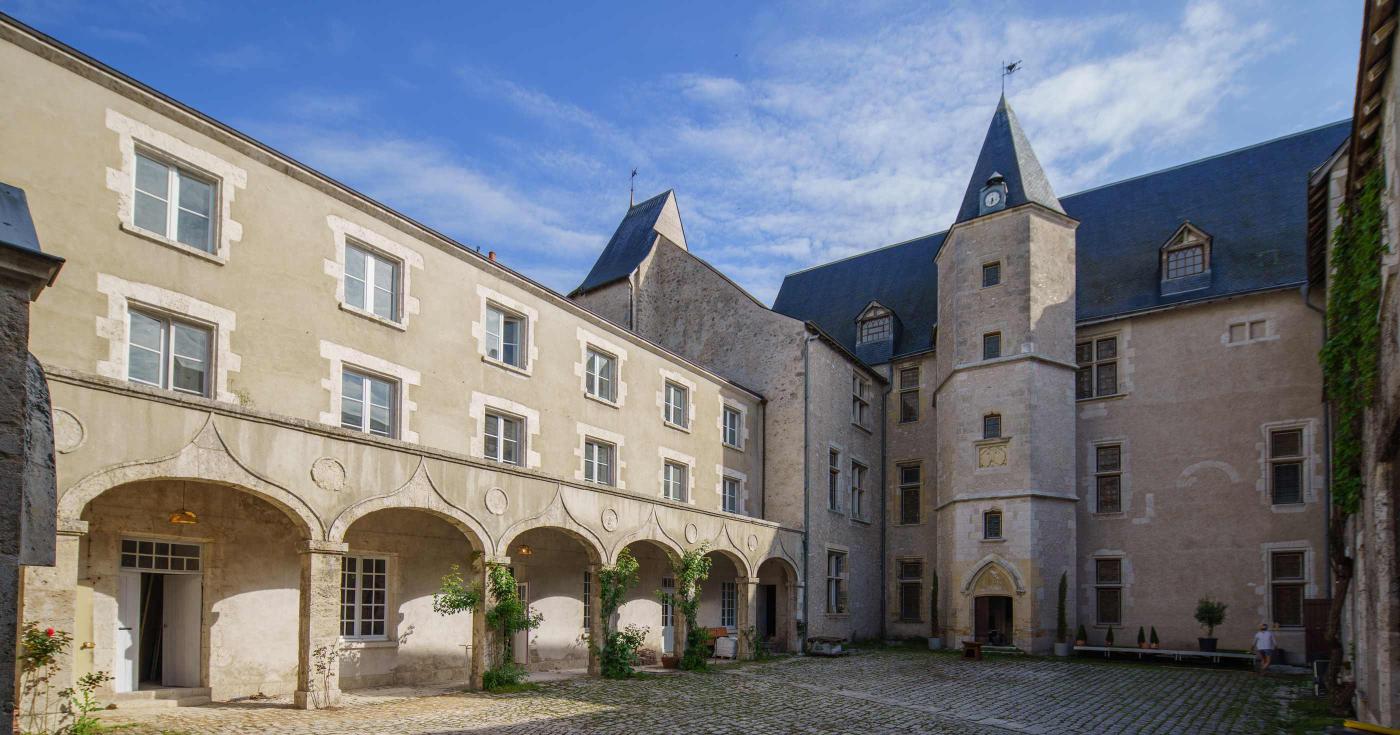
(283, 411)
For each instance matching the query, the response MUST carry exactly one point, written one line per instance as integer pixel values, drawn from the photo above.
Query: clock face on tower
(991, 199)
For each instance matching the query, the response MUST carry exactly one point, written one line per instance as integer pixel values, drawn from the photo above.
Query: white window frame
(1300, 581)
(859, 473)
(496, 341)
(521, 440)
(1100, 585)
(591, 464)
(340, 356)
(673, 410)
(176, 171)
(675, 488)
(732, 433)
(833, 479)
(346, 235)
(168, 324)
(727, 482)
(876, 328)
(369, 377)
(594, 380)
(1301, 459)
(483, 403)
(908, 390)
(529, 355)
(164, 558)
(374, 262)
(837, 580)
(358, 619)
(729, 605)
(860, 400)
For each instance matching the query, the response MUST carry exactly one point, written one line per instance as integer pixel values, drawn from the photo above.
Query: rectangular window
(728, 604)
(159, 555)
(858, 472)
(910, 493)
(1108, 589)
(1286, 576)
(364, 591)
(1248, 331)
(600, 375)
(860, 401)
(1187, 261)
(587, 600)
(991, 426)
(367, 402)
(1286, 466)
(911, 590)
(731, 495)
(908, 394)
(169, 353)
(991, 274)
(505, 438)
(1108, 478)
(677, 405)
(505, 336)
(675, 481)
(875, 329)
(1098, 368)
(833, 480)
(733, 427)
(174, 203)
(991, 525)
(991, 345)
(836, 581)
(598, 461)
(371, 282)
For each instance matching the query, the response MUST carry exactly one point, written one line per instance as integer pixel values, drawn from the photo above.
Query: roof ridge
(866, 252)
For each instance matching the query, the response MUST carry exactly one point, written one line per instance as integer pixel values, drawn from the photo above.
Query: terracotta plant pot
(670, 662)
(1080, 643)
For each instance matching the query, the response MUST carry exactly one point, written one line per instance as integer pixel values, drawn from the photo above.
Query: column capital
(746, 580)
(318, 546)
(499, 559)
(72, 527)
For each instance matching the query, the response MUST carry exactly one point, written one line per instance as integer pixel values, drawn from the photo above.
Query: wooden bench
(972, 650)
(1214, 656)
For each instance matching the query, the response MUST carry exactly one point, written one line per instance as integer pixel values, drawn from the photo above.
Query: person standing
(1264, 646)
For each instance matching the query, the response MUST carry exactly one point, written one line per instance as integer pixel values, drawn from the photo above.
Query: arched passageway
(554, 572)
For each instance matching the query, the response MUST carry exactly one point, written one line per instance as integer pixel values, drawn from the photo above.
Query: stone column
(320, 624)
(597, 630)
(746, 592)
(485, 640)
(799, 619)
(50, 594)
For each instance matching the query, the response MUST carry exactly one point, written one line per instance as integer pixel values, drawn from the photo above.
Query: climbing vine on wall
(618, 652)
(507, 616)
(1350, 357)
(691, 569)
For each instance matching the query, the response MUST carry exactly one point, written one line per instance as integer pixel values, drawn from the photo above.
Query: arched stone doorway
(642, 606)
(555, 572)
(394, 563)
(775, 613)
(992, 619)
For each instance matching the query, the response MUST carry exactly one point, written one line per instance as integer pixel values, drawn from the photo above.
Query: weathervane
(632, 191)
(1007, 70)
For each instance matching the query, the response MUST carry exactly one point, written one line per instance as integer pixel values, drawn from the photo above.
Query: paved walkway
(879, 692)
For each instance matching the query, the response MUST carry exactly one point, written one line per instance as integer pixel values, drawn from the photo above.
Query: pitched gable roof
(1251, 201)
(633, 240)
(1007, 151)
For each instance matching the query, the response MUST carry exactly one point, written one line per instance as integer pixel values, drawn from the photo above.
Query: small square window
(991, 345)
(991, 274)
(991, 426)
(1257, 330)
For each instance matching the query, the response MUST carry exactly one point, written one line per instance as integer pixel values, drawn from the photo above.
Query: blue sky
(793, 133)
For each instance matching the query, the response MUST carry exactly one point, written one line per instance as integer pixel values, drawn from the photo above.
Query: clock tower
(1006, 414)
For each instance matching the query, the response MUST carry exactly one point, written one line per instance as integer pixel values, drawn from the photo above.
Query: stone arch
(789, 569)
(740, 563)
(205, 459)
(419, 493)
(650, 530)
(557, 516)
(596, 555)
(987, 562)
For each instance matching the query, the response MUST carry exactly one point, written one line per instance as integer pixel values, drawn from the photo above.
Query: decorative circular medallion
(68, 433)
(753, 542)
(328, 474)
(496, 501)
(609, 520)
(691, 533)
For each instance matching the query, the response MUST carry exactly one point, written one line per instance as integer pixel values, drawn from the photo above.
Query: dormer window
(876, 324)
(1185, 260)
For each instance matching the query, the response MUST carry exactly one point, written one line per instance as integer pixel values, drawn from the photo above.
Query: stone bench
(1214, 656)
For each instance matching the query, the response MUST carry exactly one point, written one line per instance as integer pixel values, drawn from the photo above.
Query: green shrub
(1153, 639)
(502, 676)
(1210, 613)
(619, 653)
(1082, 635)
(1108, 639)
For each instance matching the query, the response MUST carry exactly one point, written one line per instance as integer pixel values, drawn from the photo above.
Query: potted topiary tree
(1108, 639)
(935, 636)
(1152, 641)
(1209, 613)
(1081, 637)
(1061, 622)
(1142, 637)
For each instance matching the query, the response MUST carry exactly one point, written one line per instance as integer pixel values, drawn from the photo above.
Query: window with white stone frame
(174, 202)
(600, 375)
(399, 378)
(1108, 478)
(731, 487)
(910, 493)
(504, 438)
(364, 598)
(1108, 591)
(909, 394)
(733, 431)
(729, 605)
(506, 338)
(1251, 330)
(168, 352)
(599, 461)
(677, 408)
(858, 478)
(877, 327)
(991, 525)
(833, 481)
(1286, 466)
(1097, 374)
(675, 482)
(372, 282)
(836, 572)
(911, 589)
(368, 402)
(860, 400)
(1287, 579)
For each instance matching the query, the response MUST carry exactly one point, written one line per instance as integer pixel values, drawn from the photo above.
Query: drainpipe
(806, 491)
(1305, 291)
(884, 510)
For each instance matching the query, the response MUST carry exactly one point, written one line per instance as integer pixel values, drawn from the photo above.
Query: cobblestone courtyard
(878, 692)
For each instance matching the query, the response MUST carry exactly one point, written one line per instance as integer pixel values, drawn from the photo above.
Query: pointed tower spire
(1006, 153)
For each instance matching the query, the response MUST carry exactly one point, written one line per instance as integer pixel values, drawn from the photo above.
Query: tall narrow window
(858, 473)
(505, 336)
(505, 438)
(587, 600)
(675, 482)
(1108, 591)
(175, 203)
(733, 427)
(367, 402)
(598, 461)
(833, 480)
(911, 590)
(677, 405)
(728, 604)
(860, 401)
(371, 282)
(364, 593)
(991, 274)
(910, 493)
(836, 581)
(1108, 478)
(991, 525)
(600, 375)
(1098, 368)
(168, 353)
(731, 495)
(1286, 466)
(991, 345)
(991, 426)
(1286, 577)
(909, 394)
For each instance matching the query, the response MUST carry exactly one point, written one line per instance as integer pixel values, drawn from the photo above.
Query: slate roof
(1252, 202)
(629, 245)
(16, 227)
(1006, 151)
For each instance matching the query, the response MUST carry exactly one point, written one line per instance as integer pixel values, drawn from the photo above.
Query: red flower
(49, 632)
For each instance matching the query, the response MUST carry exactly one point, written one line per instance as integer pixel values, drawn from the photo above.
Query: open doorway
(993, 620)
(159, 615)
